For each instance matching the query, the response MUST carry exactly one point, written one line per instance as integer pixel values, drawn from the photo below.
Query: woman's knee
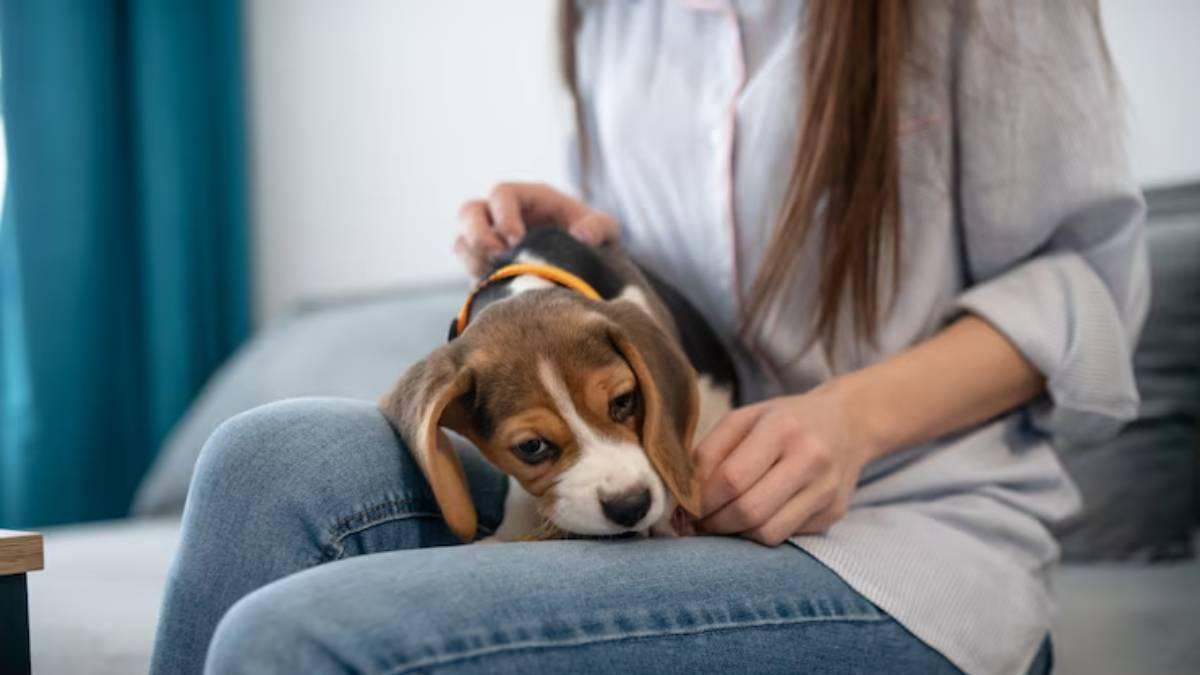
(298, 446)
(261, 633)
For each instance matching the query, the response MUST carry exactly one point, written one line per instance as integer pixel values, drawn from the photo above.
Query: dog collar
(556, 275)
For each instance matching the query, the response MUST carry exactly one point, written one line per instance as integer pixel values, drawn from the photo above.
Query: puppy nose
(627, 508)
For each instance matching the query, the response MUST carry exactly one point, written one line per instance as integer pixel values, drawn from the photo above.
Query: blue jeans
(311, 544)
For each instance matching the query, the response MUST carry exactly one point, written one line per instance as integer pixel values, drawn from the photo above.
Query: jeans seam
(394, 510)
(547, 644)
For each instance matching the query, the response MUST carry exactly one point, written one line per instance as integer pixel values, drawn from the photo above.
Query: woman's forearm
(964, 375)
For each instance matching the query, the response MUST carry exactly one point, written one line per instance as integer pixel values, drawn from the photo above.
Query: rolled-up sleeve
(1051, 216)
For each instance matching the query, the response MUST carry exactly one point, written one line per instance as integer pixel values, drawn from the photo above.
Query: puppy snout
(626, 508)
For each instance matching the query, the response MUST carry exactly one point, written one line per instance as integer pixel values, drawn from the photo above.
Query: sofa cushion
(1140, 488)
(355, 349)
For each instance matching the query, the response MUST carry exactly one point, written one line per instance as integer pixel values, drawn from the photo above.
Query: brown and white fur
(590, 407)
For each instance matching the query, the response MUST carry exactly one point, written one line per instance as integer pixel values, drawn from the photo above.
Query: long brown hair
(846, 164)
(845, 167)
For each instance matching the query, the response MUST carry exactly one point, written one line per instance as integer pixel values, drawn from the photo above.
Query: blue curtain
(123, 243)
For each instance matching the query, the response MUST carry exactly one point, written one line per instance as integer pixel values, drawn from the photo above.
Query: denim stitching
(387, 507)
(447, 659)
(359, 521)
(388, 511)
(340, 550)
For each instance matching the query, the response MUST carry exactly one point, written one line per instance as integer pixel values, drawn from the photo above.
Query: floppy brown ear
(425, 399)
(670, 397)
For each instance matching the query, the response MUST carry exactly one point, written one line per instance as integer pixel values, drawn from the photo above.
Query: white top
(1018, 205)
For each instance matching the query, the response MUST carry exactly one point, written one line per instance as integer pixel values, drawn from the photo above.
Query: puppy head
(588, 404)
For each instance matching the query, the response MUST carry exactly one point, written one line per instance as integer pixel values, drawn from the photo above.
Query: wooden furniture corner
(20, 553)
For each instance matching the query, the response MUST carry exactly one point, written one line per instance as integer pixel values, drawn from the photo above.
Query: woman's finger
(475, 227)
(821, 521)
(722, 439)
(756, 506)
(742, 467)
(505, 208)
(543, 205)
(800, 509)
(475, 262)
(594, 228)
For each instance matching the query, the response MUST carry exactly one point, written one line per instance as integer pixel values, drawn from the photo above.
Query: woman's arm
(789, 465)
(964, 375)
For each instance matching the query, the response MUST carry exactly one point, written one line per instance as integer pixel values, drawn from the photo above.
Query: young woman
(915, 224)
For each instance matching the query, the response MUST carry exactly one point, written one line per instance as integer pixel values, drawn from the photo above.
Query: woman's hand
(789, 465)
(782, 467)
(489, 227)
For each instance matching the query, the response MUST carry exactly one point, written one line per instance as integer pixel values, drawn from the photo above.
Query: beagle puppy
(583, 378)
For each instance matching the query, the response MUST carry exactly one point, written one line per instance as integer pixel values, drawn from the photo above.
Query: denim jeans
(312, 544)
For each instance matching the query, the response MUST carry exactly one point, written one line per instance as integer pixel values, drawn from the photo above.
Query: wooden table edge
(20, 552)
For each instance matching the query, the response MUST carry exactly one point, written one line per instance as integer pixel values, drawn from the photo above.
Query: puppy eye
(534, 450)
(621, 407)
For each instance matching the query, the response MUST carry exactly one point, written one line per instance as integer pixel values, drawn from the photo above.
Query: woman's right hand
(489, 227)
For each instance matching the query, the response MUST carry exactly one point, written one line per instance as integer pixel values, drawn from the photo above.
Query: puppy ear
(670, 398)
(425, 399)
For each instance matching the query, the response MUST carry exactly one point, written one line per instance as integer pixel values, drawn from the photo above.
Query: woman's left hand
(785, 466)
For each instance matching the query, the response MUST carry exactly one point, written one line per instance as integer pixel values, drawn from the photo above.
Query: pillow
(355, 349)
(1140, 488)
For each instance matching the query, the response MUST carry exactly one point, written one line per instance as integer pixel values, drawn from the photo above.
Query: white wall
(372, 120)
(1156, 44)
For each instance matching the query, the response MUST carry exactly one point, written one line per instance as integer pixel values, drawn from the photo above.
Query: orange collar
(550, 273)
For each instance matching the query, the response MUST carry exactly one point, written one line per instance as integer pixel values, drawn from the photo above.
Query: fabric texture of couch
(1142, 488)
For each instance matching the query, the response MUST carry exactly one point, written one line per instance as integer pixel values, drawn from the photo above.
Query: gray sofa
(1129, 595)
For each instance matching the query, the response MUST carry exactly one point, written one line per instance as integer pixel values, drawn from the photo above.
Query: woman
(915, 224)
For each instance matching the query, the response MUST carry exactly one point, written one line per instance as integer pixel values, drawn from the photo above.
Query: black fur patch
(701, 344)
(481, 418)
(556, 247)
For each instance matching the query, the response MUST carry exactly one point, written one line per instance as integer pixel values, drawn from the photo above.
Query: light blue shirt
(1018, 205)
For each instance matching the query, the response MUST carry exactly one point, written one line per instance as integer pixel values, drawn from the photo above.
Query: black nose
(627, 508)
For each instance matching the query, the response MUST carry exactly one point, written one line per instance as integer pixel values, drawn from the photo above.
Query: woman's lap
(287, 499)
(286, 487)
(660, 605)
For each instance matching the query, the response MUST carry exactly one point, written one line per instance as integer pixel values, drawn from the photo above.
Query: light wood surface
(20, 552)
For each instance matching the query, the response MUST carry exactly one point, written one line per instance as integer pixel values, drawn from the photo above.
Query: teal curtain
(123, 241)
